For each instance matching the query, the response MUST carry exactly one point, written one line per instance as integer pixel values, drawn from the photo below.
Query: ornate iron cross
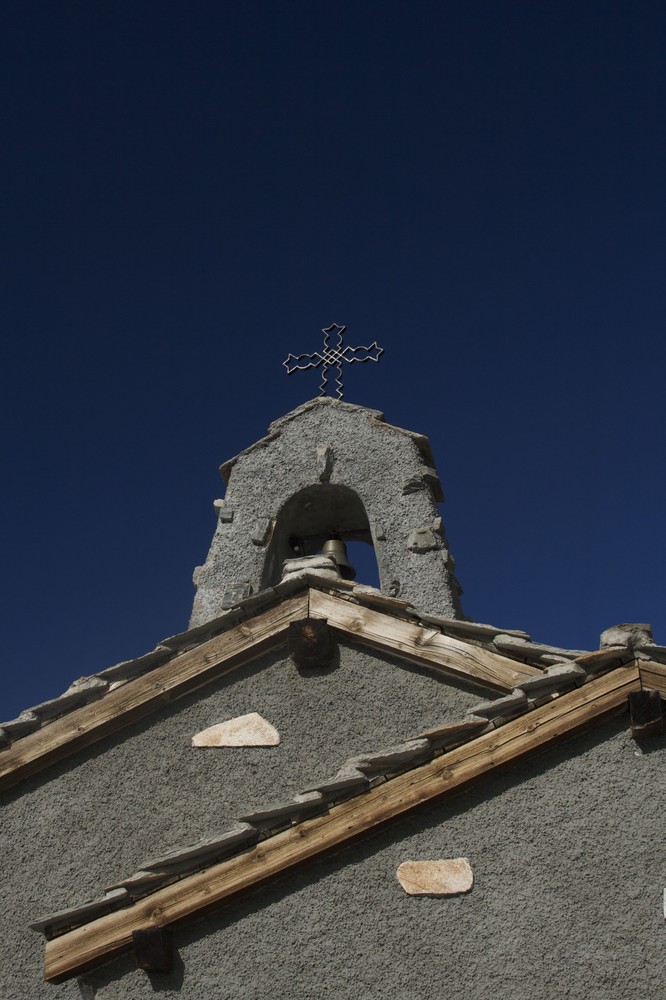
(332, 357)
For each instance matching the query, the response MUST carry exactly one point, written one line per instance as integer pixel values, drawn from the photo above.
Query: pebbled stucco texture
(331, 467)
(92, 820)
(569, 872)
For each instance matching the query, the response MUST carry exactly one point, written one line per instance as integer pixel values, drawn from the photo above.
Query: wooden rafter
(82, 948)
(428, 647)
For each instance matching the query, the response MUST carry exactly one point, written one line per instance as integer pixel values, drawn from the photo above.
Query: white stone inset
(436, 878)
(245, 731)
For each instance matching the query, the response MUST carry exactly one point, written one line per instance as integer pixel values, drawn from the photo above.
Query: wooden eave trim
(84, 947)
(427, 647)
(653, 676)
(134, 699)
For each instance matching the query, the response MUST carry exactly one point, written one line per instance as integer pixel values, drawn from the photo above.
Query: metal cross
(332, 357)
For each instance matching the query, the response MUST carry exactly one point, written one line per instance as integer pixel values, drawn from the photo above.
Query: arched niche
(308, 519)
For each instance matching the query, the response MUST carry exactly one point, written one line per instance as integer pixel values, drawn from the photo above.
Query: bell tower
(330, 470)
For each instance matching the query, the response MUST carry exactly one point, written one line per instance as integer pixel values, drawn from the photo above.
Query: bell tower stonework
(326, 470)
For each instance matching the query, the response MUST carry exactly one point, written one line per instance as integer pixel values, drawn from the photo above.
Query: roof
(485, 656)
(543, 693)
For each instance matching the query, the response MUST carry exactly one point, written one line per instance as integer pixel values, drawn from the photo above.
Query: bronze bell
(334, 547)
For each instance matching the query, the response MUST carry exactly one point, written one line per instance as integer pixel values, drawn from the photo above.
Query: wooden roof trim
(511, 644)
(653, 676)
(467, 661)
(425, 646)
(122, 706)
(86, 946)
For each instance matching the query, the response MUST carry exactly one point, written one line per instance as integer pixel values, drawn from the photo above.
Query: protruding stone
(448, 734)
(92, 687)
(347, 779)
(412, 485)
(632, 634)
(129, 669)
(410, 753)
(226, 516)
(470, 630)
(51, 709)
(422, 540)
(27, 722)
(182, 859)
(298, 808)
(245, 731)
(320, 564)
(506, 705)
(436, 878)
(657, 653)
(144, 882)
(515, 646)
(559, 675)
(224, 513)
(324, 462)
(604, 659)
(235, 593)
(76, 915)
(426, 476)
(431, 477)
(262, 531)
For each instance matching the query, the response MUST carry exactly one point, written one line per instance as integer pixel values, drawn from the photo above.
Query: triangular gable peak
(111, 700)
(330, 469)
(482, 656)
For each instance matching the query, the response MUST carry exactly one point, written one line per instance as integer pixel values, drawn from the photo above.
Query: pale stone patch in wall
(436, 878)
(244, 731)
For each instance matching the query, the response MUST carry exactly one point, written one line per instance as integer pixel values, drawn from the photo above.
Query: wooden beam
(427, 647)
(136, 698)
(153, 948)
(653, 676)
(80, 949)
(310, 644)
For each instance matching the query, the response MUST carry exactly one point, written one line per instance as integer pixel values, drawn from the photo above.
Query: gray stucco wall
(83, 824)
(364, 454)
(569, 865)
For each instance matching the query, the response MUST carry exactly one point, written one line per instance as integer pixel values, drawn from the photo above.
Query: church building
(325, 788)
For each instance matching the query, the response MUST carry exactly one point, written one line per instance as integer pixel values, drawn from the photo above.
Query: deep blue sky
(191, 191)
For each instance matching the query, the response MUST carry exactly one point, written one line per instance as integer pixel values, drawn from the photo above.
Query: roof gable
(189, 661)
(482, 656)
